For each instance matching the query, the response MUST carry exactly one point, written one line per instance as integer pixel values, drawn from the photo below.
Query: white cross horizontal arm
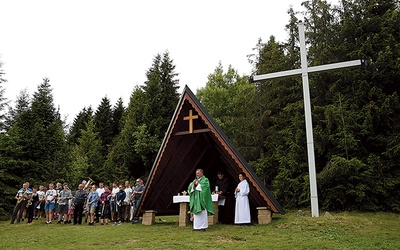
(320, 68)
(277, 75)
(335, 66)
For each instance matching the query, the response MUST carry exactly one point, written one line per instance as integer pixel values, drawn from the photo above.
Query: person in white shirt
(100, 191)
(127, 201)
(51, 195)
(114, 191)
(40, 205)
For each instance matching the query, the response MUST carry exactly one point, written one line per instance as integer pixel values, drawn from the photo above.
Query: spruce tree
(79, 124)
(160, 100)
(123, 162)
(87, 156)
(3, 100)
(46, 148)
(103, 121)
(6, 162)
(117, 115)
(33, 146)
(146, 120)
(161, 95)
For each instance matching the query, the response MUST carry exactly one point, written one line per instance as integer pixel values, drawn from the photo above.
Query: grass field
(290, 231)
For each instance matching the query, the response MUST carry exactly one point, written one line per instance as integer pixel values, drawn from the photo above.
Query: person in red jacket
(105, 205)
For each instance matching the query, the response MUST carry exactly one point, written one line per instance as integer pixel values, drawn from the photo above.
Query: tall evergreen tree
(33, 147)
(123, 161)
(161, 94)
(87, 158)
(5, 177)
(103, 120)
(3, 100)
(79, 124)
(146, 120)
(117, 115)
(47, 148)
(12, 164)
(160, 100)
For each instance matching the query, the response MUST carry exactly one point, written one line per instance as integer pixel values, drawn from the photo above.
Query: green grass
(290, 231)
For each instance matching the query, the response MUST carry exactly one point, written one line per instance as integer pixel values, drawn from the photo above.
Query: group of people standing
(119, 203)
(201, 201)
(97, 203)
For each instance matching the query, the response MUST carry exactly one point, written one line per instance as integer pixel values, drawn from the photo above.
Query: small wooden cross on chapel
(191, 117)
(303, 71)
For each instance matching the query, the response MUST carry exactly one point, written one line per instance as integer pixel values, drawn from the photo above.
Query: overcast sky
(93, 49)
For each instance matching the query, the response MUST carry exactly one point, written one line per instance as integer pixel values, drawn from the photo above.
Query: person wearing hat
(136, 195)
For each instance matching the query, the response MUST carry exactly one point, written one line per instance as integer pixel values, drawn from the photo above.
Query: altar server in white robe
(242, 209)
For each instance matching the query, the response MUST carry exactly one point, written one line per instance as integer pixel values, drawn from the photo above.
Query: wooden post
(264, 215)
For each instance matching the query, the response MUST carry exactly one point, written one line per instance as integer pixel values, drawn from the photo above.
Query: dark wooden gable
(183, 151)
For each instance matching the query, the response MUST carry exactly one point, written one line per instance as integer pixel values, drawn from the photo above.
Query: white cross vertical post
(309, 128)
(307, 106)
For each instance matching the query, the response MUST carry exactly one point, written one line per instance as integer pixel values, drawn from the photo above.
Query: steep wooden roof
(193, 141)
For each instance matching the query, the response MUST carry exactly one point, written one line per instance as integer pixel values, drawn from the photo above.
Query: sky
(95, 49)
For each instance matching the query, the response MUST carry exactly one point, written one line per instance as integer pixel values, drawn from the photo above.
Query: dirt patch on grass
(226, 239)
(282, 225)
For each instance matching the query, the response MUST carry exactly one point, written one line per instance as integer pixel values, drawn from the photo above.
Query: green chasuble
(200, 200)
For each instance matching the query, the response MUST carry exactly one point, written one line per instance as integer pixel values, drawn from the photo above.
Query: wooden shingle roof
(193, 140)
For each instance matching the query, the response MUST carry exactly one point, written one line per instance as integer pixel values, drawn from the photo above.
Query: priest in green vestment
(200, 201)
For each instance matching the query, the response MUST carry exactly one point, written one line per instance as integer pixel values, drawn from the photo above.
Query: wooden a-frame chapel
(194, 140)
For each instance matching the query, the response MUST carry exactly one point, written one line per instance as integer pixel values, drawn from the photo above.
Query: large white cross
(307, 106)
